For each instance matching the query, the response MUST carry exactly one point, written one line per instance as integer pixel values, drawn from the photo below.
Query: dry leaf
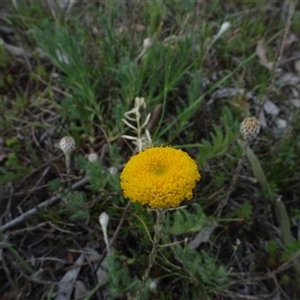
(66, 284)
(261, 53)
(271, 108)
(202, 236)
(228, 92)
(292, 38)
(7, 30)
(63, 4)
(262, 119)
(15, 50)
(80, 290)
(102, 275)
(289, 79)
(297, 66)
(93, 256)
(281, 123)
(295, 102)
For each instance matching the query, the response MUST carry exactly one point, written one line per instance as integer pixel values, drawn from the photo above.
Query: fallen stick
(44, 204)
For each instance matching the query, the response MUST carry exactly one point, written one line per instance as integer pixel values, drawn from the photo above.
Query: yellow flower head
(160, 177)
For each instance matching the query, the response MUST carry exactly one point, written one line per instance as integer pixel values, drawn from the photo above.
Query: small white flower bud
(113, 170)
(153, 286)
(103, 220)
(147, 43)
(225, 26)
(93, 157)
(67, 145)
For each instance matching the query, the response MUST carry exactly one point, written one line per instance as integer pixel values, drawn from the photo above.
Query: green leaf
(257, 169)
(284, 222)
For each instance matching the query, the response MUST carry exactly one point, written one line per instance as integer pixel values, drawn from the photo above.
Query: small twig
(44, 204)
(25, 178)
(280, 288)
(35, 279)
(36, 184)
(270, 275)
(154, 117)
(7, 273)
(233, 182)
(252, 10)
(7, 214)
(280, 269)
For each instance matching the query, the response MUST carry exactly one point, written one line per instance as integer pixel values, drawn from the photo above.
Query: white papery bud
(113, 170)
(153, 286)
(103, 220)
(147, 43)
(67, 145)
(93, 157)
(224, 27)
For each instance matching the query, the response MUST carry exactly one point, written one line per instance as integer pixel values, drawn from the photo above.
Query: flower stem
(160, 216)
(68, 167)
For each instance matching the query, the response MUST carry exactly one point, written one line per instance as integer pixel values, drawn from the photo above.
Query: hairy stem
(68, 166)
(158, 228)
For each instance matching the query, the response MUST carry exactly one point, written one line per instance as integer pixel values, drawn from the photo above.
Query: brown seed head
(67, 145)
(250, 128)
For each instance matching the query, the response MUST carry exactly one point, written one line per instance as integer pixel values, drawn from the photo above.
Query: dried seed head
(67, 145)
(250, 128)
(93, 157)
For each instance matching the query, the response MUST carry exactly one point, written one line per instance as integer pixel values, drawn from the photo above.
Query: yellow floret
(160, 177)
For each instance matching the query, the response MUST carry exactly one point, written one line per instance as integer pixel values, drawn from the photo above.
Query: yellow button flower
(160, 177)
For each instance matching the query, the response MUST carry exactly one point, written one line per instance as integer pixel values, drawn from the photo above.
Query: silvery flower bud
(147, 43)
(67, 145)
(93, 157)
(103, 220)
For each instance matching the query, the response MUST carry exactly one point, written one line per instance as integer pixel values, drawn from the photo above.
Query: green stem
(158, 228)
